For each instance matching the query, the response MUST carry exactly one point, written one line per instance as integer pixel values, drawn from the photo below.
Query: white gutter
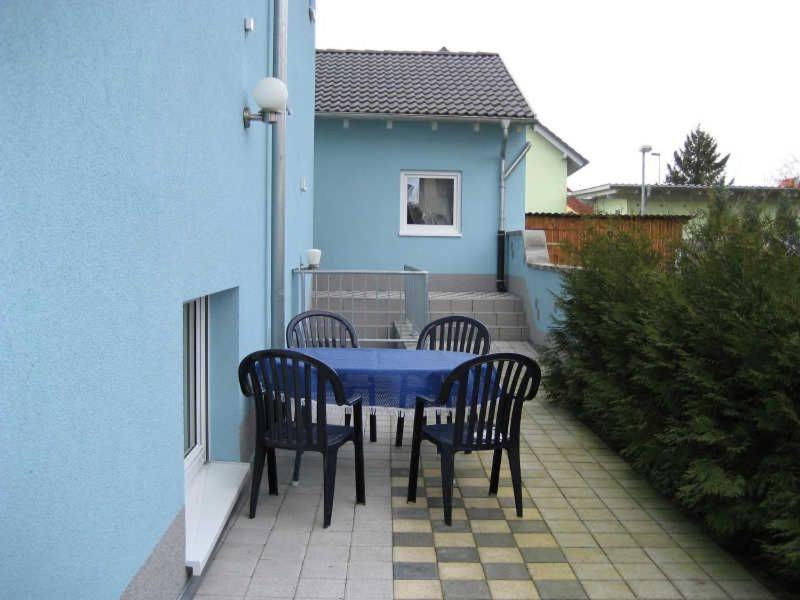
(419, 117)
(278, 215)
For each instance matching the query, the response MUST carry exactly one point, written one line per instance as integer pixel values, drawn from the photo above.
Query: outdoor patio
(592, 529)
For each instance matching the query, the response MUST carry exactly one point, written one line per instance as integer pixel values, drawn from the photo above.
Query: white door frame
(198, 455)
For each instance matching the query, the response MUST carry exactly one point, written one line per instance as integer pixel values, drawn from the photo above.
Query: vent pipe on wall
(278, 214)
(505, 173)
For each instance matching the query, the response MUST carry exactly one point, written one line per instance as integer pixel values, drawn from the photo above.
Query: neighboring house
(136, 273)
(548, 164)
(407, 162)
(665, 199)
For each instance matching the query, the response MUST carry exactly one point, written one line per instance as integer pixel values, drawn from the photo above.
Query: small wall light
(271, 96)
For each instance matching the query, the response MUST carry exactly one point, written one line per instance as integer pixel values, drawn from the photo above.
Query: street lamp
(658, 154)
(644, 150)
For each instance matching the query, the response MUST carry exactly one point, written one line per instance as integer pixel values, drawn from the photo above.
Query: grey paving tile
(465, 590)
(745, 590)
(506, 571)
(560, 590)
(224, 583)
(412, 539)
(700, 590)
(494, 539)
(654, 590)
(608, 590)
(543, 555)
(446, 554)
(485, 513)
(314, 589)
(411, 570)
(374, 589)
(369, 569)
(528, 526)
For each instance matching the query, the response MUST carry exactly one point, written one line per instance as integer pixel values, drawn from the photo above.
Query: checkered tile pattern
(591, 528)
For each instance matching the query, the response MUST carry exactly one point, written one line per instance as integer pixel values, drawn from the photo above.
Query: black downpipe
(501, 261)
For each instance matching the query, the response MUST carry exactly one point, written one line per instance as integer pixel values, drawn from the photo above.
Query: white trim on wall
(453, 230)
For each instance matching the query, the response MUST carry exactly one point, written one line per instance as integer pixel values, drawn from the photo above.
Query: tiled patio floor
(591, 529)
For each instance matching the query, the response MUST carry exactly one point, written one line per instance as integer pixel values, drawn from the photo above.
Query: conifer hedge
(691, 369)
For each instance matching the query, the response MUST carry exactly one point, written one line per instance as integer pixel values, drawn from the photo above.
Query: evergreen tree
(698, 162)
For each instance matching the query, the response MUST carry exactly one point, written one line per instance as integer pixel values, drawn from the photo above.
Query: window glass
(430, 200)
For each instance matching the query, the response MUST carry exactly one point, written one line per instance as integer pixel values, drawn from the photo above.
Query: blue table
(387, 377)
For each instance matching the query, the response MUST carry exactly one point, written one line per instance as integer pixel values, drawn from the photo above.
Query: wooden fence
(565, 230)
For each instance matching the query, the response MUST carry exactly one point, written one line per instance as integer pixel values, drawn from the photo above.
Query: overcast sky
(608, 76)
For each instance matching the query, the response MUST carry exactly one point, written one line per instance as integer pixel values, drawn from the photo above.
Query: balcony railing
(386, 307)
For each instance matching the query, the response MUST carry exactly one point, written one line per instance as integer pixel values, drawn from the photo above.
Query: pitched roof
(466, 85)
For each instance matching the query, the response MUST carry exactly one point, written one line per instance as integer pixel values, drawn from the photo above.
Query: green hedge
(691, 369)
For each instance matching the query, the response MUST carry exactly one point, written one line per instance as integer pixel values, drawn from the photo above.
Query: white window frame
(198, 455)
(453, 230)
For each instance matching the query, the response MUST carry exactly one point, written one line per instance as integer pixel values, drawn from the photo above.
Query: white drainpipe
(278, 215)
(505, 174)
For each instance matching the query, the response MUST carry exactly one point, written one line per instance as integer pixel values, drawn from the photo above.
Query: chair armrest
(353, 400)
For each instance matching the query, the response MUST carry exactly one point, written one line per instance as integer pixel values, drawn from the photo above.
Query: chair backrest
(487, 393)
(457, 334)
(320, 329)
(283, 384)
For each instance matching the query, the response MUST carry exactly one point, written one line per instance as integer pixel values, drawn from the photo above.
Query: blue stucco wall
(357, 199)
(538, 287)
(128, 186)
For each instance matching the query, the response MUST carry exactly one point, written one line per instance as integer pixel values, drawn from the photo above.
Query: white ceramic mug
(313, 256)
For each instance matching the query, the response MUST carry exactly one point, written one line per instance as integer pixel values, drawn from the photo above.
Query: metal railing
(385, 306)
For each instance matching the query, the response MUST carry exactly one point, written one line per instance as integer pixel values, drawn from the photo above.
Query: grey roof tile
(425, 84)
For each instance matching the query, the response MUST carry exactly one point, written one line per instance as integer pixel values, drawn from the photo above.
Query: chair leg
(272, 472)
(298, 459)
(358, 442)
(398, 438)
(329, 483)
(373, 426)
(258, 470)
(448, 468)
(497, 459)
(516, 476)
(413, 467)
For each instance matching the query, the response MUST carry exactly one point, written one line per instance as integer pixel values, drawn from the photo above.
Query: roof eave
(425, 117)
(575, 159)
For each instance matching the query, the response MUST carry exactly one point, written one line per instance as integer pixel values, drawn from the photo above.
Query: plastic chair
(283, 384)
(487, 393)
(456, 334)
(320, 329)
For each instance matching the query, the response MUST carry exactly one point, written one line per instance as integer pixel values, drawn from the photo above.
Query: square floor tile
(417, 590)
(528, 526)
(700, 590)
(607, 590)
(460, 570)
(560, 590)
(414, 554)
(320, 588)
(485, 513)
(596, 571)
(453, 540)
(654, 590)
(539, 555)
(506, 571)
(513, 590)
(535, 540)
(411, 526)
(457, 554)
(370, 589)
(412, 539)
(489, 526)
(466, 590)
(495, 539)
(415, 570)
(499, 555)
(545, 571)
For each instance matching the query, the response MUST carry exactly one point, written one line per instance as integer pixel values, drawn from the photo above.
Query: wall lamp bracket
(262, 115)
(271, 96)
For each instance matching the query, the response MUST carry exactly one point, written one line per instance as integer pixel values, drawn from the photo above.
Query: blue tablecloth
(390, 378)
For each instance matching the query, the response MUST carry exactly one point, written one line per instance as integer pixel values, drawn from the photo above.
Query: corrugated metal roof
(417, 84)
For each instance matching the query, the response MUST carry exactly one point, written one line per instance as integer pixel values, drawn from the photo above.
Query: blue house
(139, 265)
(409, 151)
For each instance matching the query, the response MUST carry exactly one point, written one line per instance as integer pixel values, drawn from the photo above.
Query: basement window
(430, 203)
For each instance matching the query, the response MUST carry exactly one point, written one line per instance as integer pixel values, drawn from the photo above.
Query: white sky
(610, 75)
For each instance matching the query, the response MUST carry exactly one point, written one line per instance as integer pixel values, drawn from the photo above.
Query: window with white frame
(430, 203)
